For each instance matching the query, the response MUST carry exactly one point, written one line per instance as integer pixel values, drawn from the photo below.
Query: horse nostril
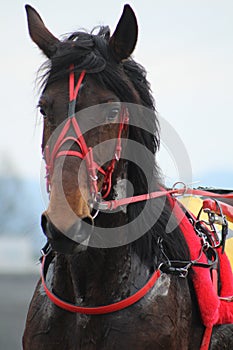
(89, 220)
(48, 228)
(78, 232)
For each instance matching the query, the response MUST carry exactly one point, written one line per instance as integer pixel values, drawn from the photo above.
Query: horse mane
(91, 52)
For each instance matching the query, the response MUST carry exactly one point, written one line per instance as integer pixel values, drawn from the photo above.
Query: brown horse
(100, 257)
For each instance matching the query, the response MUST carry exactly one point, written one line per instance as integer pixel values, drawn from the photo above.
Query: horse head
(82, 104)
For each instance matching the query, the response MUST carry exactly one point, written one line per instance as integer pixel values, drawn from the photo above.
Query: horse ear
(124, 39)
(39, 33)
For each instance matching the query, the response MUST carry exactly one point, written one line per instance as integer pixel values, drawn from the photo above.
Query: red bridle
(85, 152)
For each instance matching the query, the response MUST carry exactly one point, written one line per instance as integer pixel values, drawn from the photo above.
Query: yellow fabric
(229, 250)
(194, 204)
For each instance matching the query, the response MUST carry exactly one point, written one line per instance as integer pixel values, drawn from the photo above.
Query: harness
(180, 268)
(176, 267)
(209, 244)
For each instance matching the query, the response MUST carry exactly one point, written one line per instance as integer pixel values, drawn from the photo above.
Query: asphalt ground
(15, 294)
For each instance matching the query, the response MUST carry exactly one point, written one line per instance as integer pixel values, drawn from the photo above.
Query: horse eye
(113, 114)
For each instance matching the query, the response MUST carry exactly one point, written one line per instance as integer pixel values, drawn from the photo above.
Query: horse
(98, 261)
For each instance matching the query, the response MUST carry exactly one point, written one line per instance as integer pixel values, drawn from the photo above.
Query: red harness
(93, 168)
(48, 257)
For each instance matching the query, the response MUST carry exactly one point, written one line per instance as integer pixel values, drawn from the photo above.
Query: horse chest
(138, 327)
(160, 320)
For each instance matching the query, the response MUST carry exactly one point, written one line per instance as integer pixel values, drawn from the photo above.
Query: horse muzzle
(69, 241)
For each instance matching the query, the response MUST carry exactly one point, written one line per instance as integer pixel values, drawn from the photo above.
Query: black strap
(49, 254)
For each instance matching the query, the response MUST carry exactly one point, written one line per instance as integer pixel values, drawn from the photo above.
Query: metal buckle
(227, 299)
(116, 157)
(184, 189)
(93, 178)
(46, 249)
(183, 272)
(98, 204)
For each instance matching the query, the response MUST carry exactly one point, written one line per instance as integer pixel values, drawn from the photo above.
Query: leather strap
(114, 204)
(96, 310)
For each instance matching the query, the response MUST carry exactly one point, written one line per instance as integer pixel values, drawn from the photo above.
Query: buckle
(97, 203)
(46, 249)
(102, 206)
(183, 272)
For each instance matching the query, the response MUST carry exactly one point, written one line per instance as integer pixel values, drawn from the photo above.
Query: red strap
(114, 204)
(107, 184)
(98, 310)
(69, 153)
(80, 137)
(206, 338)
(214, 276)
(208, 194)
(58, 142)
(212, 206)
(74, 90)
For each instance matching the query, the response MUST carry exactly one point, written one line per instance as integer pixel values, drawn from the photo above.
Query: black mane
(91, 53)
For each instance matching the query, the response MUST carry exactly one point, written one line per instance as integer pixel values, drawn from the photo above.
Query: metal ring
(94, 178)
(184, 188)
(117, 158)
(95, 215)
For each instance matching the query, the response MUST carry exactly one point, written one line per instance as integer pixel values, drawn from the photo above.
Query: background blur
(186, 47)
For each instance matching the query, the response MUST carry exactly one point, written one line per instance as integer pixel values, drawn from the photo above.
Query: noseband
(85, 153)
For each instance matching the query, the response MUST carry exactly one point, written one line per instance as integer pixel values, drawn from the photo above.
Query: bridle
(85, 153)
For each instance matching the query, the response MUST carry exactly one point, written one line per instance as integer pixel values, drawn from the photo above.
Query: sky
(186, 48)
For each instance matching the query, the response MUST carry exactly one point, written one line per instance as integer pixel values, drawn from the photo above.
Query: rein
(114, 204)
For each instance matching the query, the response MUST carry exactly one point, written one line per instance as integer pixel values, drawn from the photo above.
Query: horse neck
(101, 276)
(105, 275)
